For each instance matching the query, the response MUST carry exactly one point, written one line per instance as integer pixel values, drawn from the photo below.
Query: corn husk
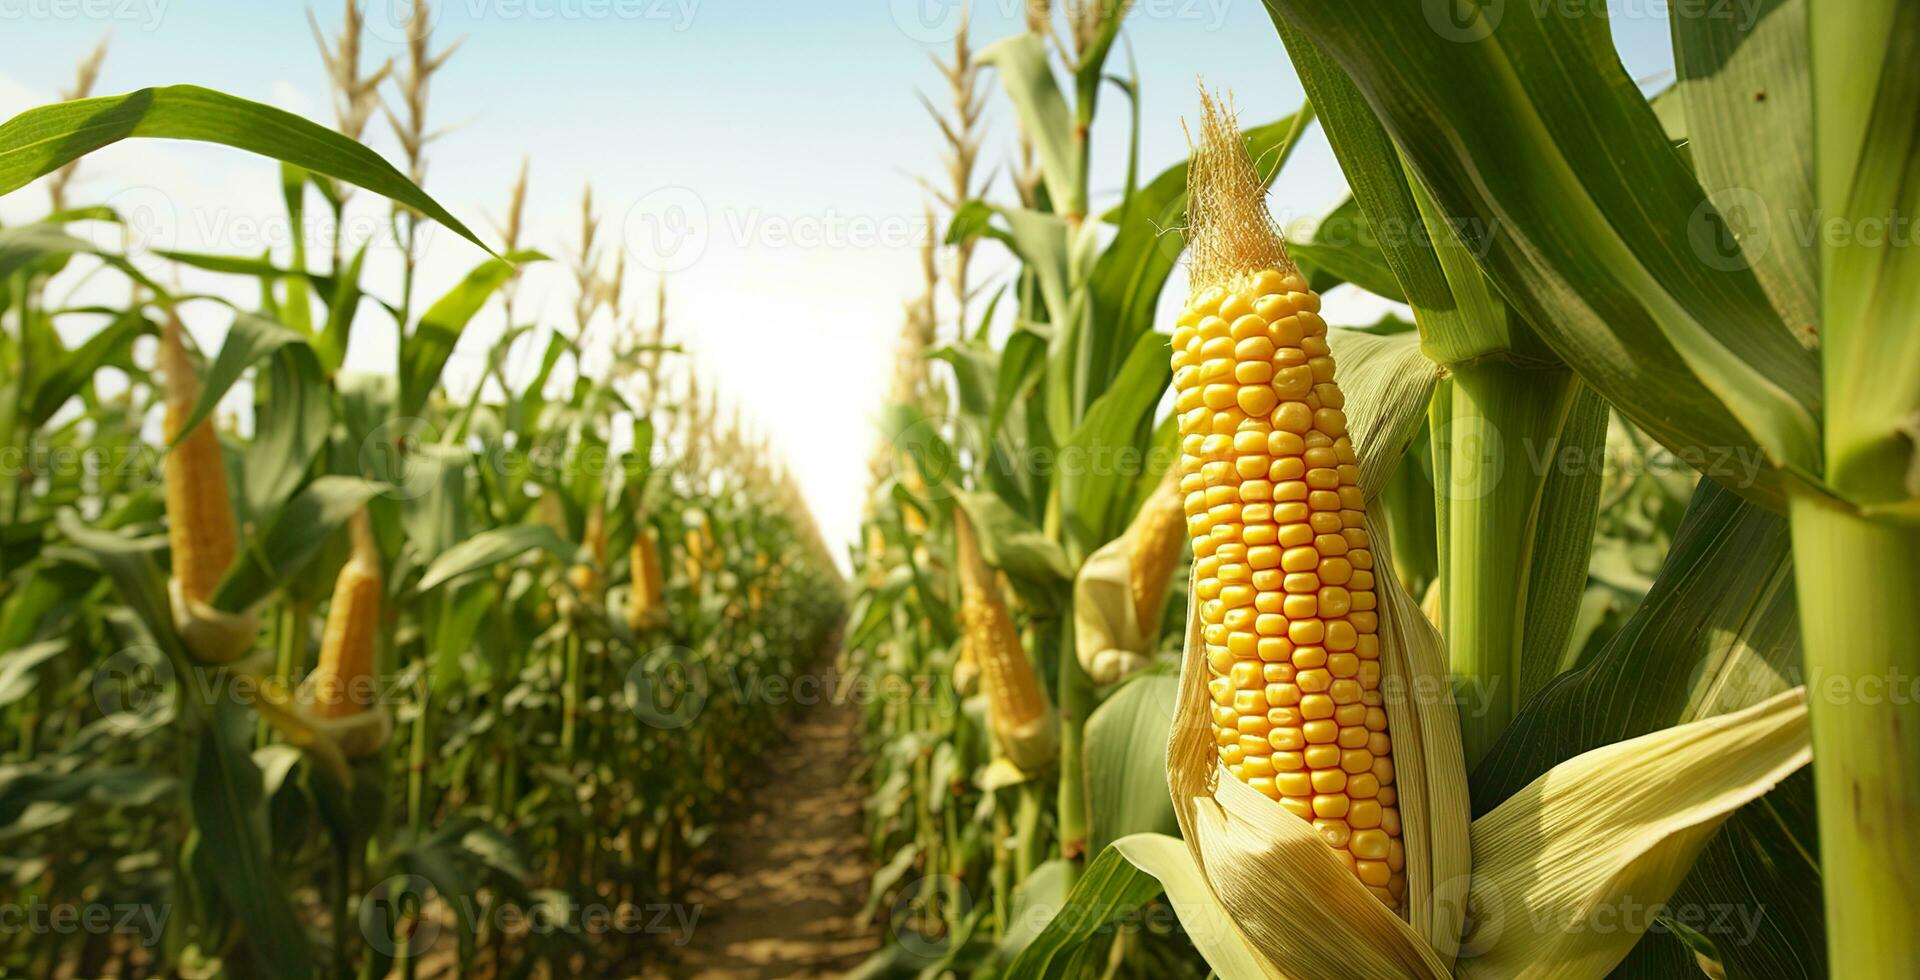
(1121, 589)
(211, 635)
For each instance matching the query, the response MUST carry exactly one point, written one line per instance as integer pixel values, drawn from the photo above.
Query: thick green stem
(1497, 431)
(1076, 702)
(570, 697)
(417, 763)
(1859, 588)
(1026, 831)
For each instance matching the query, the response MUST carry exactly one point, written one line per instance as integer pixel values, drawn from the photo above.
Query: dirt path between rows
(781, 895)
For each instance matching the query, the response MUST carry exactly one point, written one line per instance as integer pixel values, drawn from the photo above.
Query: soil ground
(780, 896)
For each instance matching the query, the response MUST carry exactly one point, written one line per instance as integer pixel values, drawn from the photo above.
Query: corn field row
(1559, 623)
(381, 678)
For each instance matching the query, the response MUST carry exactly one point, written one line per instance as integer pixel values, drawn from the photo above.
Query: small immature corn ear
(585, 576)
(645, 606)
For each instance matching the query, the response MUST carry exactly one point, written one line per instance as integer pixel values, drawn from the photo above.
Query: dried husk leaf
(211, 635)
(299, 728)
(356, 736)
(1567, 871)
(1214, 933)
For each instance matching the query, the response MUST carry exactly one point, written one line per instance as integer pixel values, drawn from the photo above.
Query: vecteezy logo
(932, 445)
(393, 916)
(149, 221)
(1730, 229)
(1474, 902)
(667, 230)
(1463, 21)
(929, 21)
(668, 688)
(134, 689)
(392, 455)
(1477, 459)
(922, 902)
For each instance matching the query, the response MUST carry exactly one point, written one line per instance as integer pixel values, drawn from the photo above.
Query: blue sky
(792, 129)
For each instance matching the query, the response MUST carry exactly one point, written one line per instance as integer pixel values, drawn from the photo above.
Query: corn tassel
(1283, 568)
(1021, 719)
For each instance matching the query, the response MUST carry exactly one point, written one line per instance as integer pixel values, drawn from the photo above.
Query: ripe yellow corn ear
(200, 525)
(645, 605)
(1020, 716)
(876, 557)
(342, 684)
(1283, 567)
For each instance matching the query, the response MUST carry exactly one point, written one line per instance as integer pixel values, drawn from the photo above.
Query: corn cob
(1156, 544)
(694, 565)
(339, 685)
(644, 606)
(200, 526)
(1283, 571)
(1021, 719)
(585, 575)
